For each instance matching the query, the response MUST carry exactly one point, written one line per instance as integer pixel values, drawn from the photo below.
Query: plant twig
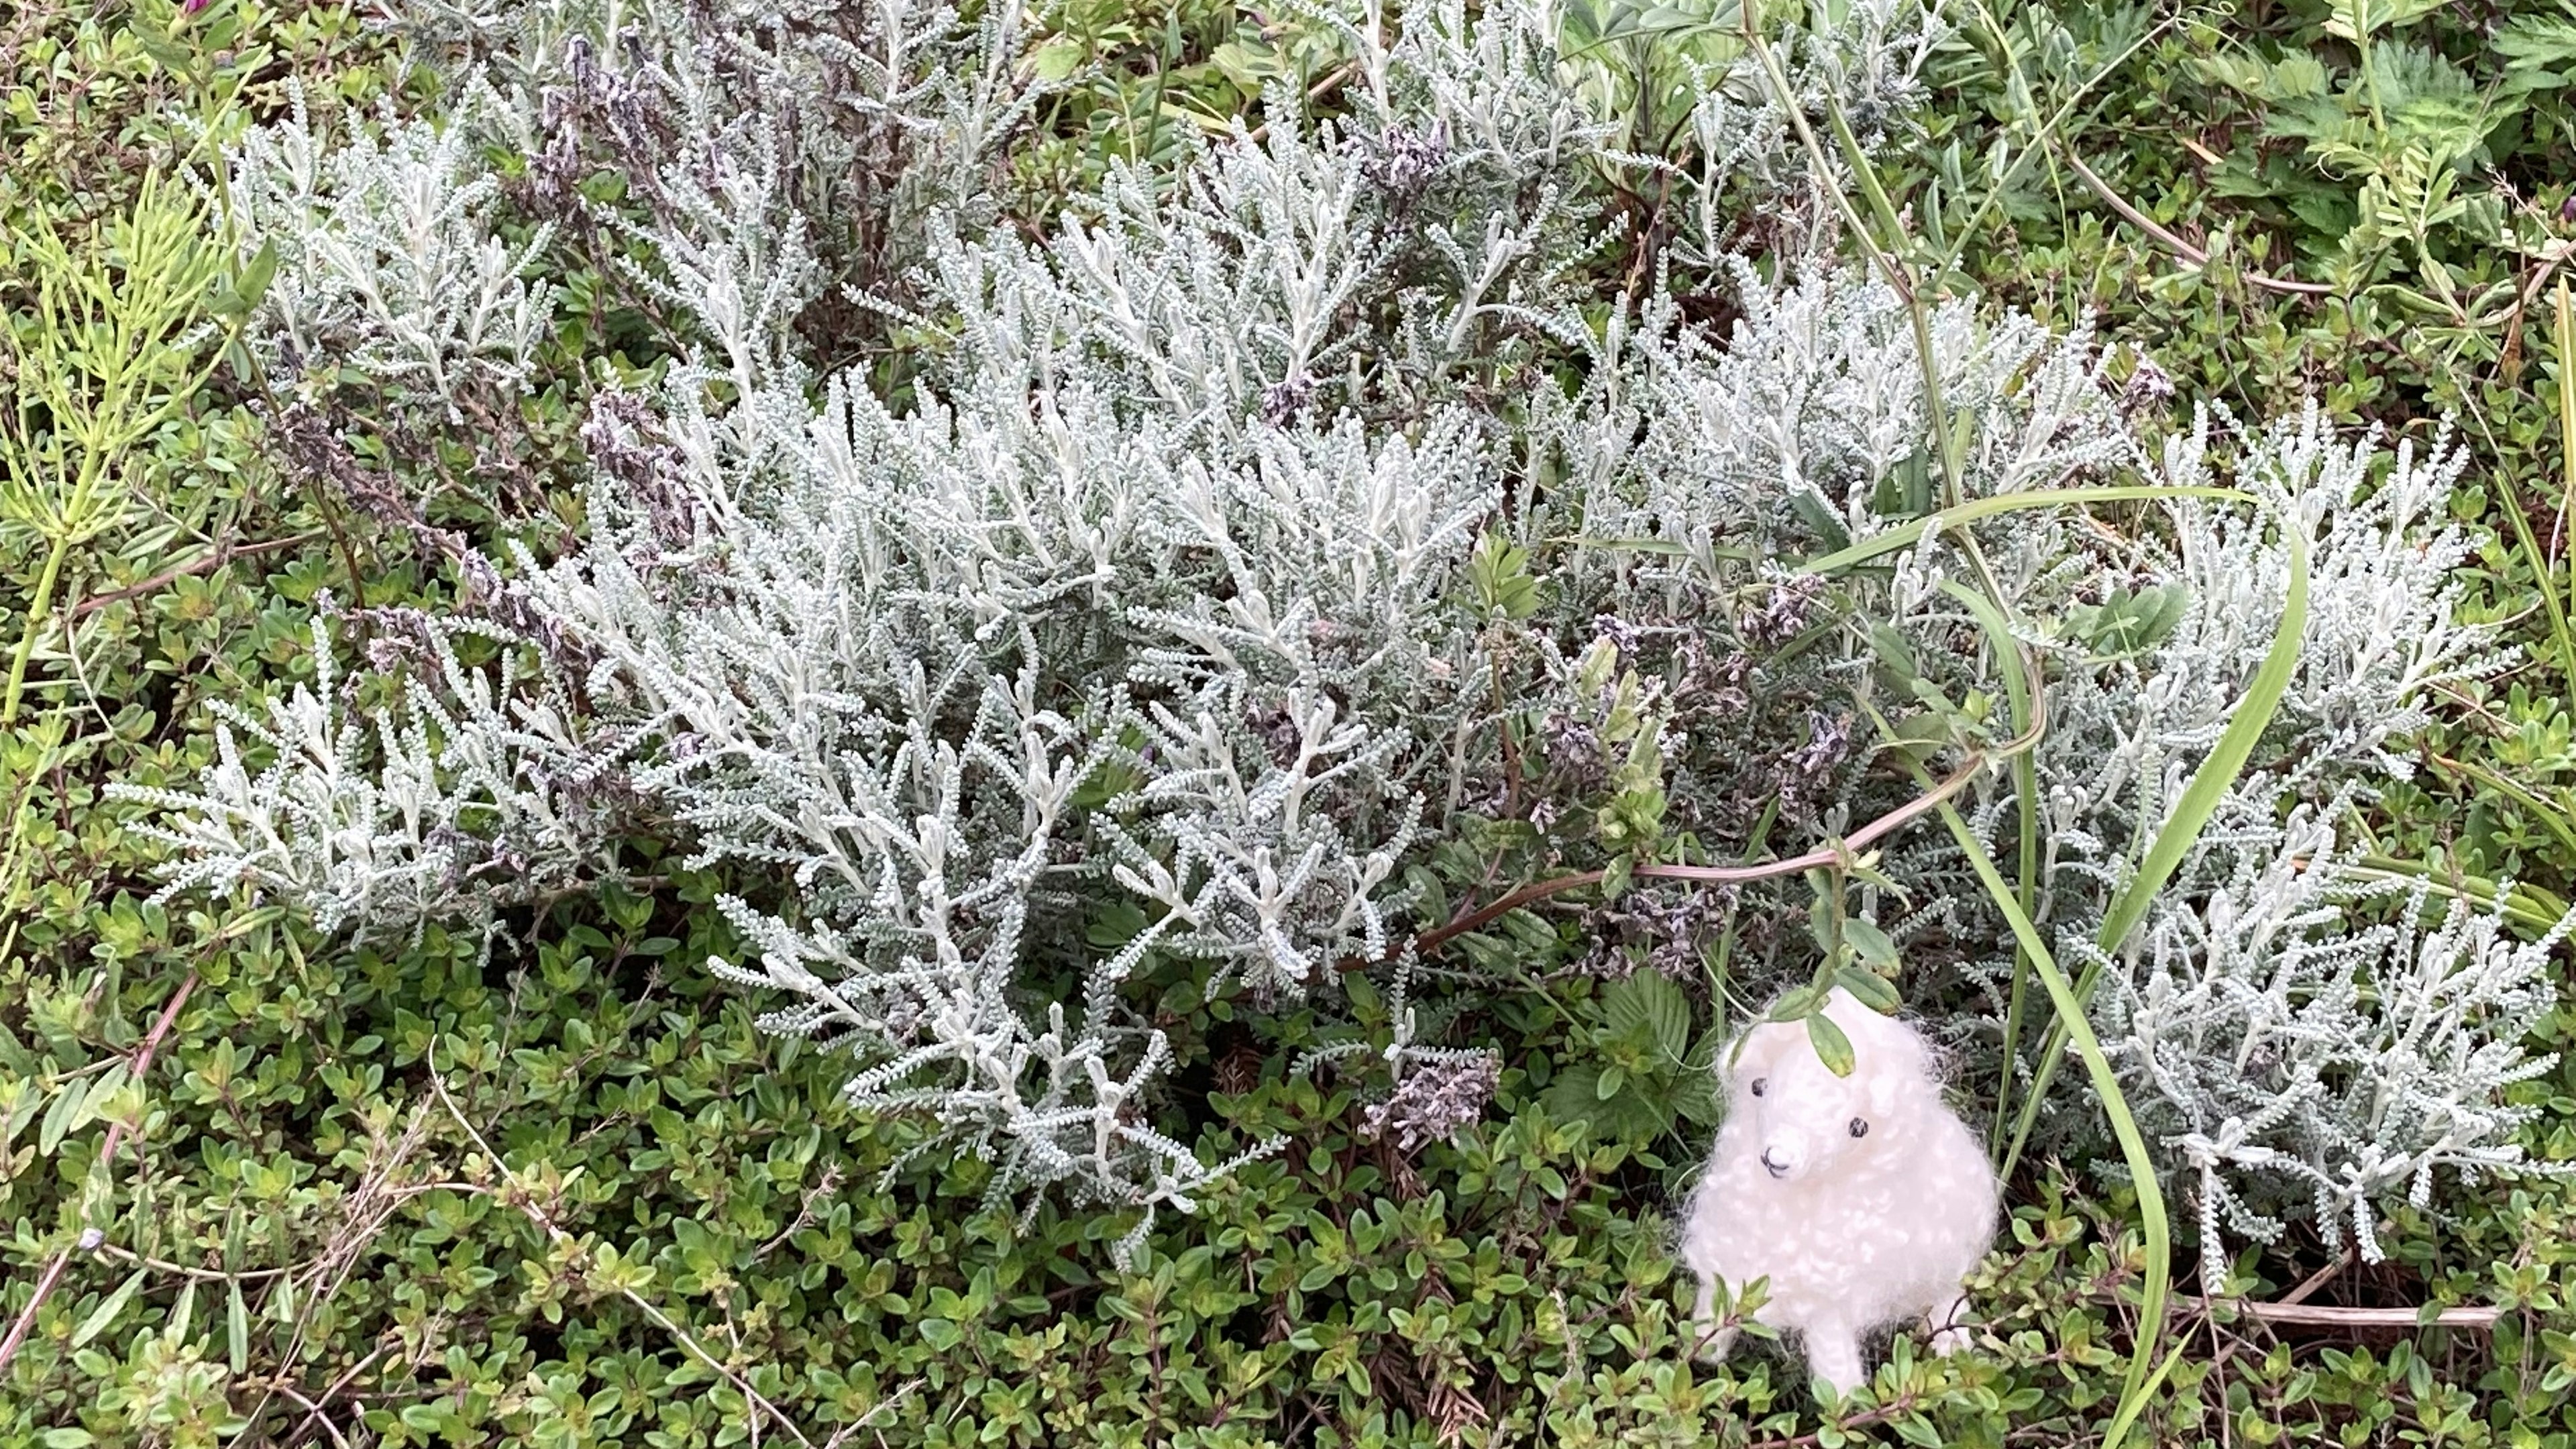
(313, 1409)
(2317, 1279)
(1333, 80)
(91, 1238)
(202, 564)
(2197, 256)
(313, 1415)
(580, 1255)
(2327, 1315)
(1821, 856)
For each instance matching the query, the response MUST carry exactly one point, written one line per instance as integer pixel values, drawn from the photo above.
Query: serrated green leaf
(1570, 1098)
(1651, 1001)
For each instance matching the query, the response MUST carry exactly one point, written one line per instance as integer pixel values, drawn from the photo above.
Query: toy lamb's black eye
(1859, 1128)
(1757, 1085)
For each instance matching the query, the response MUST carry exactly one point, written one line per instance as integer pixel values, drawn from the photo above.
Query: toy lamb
(1863, 1199)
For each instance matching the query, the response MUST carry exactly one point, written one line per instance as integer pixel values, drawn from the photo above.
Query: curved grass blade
(1906, 535)
(2017, 688)
(2153, 1226)
(2209, 784)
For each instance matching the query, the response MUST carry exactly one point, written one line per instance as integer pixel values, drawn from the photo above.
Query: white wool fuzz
(1862, 1199)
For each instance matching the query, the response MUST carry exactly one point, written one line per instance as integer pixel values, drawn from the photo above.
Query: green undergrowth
(556, 1188)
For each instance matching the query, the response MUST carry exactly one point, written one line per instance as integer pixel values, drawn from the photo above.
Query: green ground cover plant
(413, 390)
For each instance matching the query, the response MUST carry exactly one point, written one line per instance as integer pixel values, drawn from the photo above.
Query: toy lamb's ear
(1755, 1050)
(1897, 1070)
(1888, 1090)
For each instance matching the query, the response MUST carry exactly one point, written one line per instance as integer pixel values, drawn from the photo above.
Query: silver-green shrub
(1185, 578)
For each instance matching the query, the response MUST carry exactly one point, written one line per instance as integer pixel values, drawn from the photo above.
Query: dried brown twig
(2197, 256)
(579, 1255)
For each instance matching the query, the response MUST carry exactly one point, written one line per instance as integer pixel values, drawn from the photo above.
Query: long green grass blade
(2527, 906)
(1908, 534)
(2564, 335)
(2018, 690)
(2209, 784)
(2155, 1230)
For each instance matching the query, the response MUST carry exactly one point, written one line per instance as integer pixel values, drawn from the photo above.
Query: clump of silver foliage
(1156, 587)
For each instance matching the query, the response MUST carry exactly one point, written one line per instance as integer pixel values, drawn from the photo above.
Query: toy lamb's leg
(1833, 1354)
(1949, 1322)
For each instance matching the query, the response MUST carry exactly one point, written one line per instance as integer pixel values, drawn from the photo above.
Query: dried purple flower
(1444, 1092)
(1283, 402)
(1784, 613)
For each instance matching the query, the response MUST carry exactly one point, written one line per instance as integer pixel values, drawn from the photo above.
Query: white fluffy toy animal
(1863, 1199)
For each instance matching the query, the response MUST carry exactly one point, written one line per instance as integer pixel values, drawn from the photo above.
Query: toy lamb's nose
(1773, 1166)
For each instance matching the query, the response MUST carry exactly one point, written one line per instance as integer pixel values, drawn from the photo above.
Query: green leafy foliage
(564, 1191)
(1634, 1069)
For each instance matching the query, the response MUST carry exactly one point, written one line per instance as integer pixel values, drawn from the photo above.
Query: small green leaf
(1057, 59)
(1830, 531)
(1612, 1079)
(58, 1117)
(1832, 1047)
(1616, 877)
(1870, 943)
(1869, 989)
(1498, 574)
(252, 284)
(237, 1329)
(1798, 1004)
(105, 1314)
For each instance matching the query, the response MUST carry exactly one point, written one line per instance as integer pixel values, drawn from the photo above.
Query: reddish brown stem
(207, 563)
(1823, 855)
(53, 1273)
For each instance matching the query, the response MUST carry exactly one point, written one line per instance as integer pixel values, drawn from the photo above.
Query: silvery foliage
(2293, 1057)
(1130, 604)
(1111, 549)
(2286, 1050)
(780, 147)
(2292, 1052)
(1868, 55)
(479, 790)
(388, 255)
